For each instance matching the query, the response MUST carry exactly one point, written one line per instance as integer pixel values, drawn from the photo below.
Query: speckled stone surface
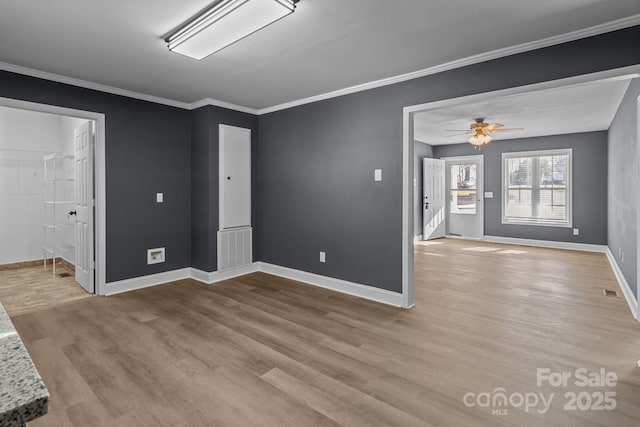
(23, 395)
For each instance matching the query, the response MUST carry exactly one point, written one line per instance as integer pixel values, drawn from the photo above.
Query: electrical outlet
(576, 231)
(323, 257)
(377, 175)
(159, 197)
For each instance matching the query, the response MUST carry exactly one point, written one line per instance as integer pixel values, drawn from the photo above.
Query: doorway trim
(100, 230)
(479, 188)
(407, 150)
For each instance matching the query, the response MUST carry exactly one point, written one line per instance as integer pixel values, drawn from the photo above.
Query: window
(462, 197)
(536, 188)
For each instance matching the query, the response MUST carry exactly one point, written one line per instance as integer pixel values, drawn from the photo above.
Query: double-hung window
(536, 188)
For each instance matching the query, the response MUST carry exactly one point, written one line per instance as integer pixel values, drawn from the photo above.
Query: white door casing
(433, 199)
(84, 145)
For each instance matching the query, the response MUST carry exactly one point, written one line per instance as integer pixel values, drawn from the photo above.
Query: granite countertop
(23, 395)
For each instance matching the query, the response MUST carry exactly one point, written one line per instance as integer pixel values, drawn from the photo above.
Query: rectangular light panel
(225, 24)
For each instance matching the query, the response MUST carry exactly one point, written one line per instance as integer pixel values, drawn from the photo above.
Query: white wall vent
(234, 248)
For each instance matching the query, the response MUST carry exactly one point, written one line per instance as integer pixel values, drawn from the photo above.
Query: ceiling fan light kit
(481, 132)
(225, 23)
(480, 138)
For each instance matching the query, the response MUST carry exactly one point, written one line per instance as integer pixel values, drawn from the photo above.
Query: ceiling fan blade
(493, 126)
(458, 134)
(506, 130)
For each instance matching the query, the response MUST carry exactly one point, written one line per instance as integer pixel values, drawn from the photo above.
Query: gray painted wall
(148, 150)
(204, 181)
(317, 160)
(420, 151)
(316, 189)
(623, 185)
(589, 185)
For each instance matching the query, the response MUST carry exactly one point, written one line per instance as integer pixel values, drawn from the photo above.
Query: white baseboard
(585, 247)
(367, 292)
(126, 285)
(218, 276)
(417, 239)
(624, 285)
(453, 236)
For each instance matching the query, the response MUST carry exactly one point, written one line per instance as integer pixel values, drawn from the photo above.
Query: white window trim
(569, 188)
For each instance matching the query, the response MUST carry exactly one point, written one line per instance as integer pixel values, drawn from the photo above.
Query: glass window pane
(537, 188)
(560, 170)
(462, 202)
(519, 203)
(463, 176)
(552, 205)
(518, 171)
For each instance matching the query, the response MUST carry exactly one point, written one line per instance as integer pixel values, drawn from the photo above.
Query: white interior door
(433, 202)
(465, 202)
(235, 177)
(84, 145)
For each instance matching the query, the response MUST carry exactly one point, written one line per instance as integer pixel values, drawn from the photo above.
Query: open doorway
(48, 218)
(496, 194)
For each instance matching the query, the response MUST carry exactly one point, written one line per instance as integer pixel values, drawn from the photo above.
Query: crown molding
(217, 103)
(619, 24)
(5, 66)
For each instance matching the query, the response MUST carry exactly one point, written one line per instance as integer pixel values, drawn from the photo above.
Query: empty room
(304, 212)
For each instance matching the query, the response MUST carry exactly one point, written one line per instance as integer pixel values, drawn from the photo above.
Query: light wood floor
(265, 351)
(27, 289)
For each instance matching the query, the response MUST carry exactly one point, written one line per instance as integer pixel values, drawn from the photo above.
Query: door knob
(71, 213)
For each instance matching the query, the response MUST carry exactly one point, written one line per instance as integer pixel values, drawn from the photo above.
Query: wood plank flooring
(265, 351)
(30, 288)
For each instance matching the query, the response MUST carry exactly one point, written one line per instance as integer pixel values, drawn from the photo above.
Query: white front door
(433, 217)
(464, 201)
(84, 144)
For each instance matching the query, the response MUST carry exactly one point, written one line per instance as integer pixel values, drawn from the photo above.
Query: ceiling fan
(481, 131)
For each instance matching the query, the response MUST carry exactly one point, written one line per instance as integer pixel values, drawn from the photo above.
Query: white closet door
(235, 177)
(84, 144)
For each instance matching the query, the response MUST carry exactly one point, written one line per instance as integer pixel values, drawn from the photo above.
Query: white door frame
(479, 188)
(100, 230)
(407, 151)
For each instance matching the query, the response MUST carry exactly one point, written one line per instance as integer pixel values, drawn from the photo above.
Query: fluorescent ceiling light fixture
(225, 23)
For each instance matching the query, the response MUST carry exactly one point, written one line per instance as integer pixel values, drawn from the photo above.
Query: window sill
(539, 224)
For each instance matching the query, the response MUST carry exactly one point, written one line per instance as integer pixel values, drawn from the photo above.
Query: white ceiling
(326, 45)
(581, 108)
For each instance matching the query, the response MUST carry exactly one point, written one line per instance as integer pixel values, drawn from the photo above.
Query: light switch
(377, 175)
(159, 197)
(488, 194)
